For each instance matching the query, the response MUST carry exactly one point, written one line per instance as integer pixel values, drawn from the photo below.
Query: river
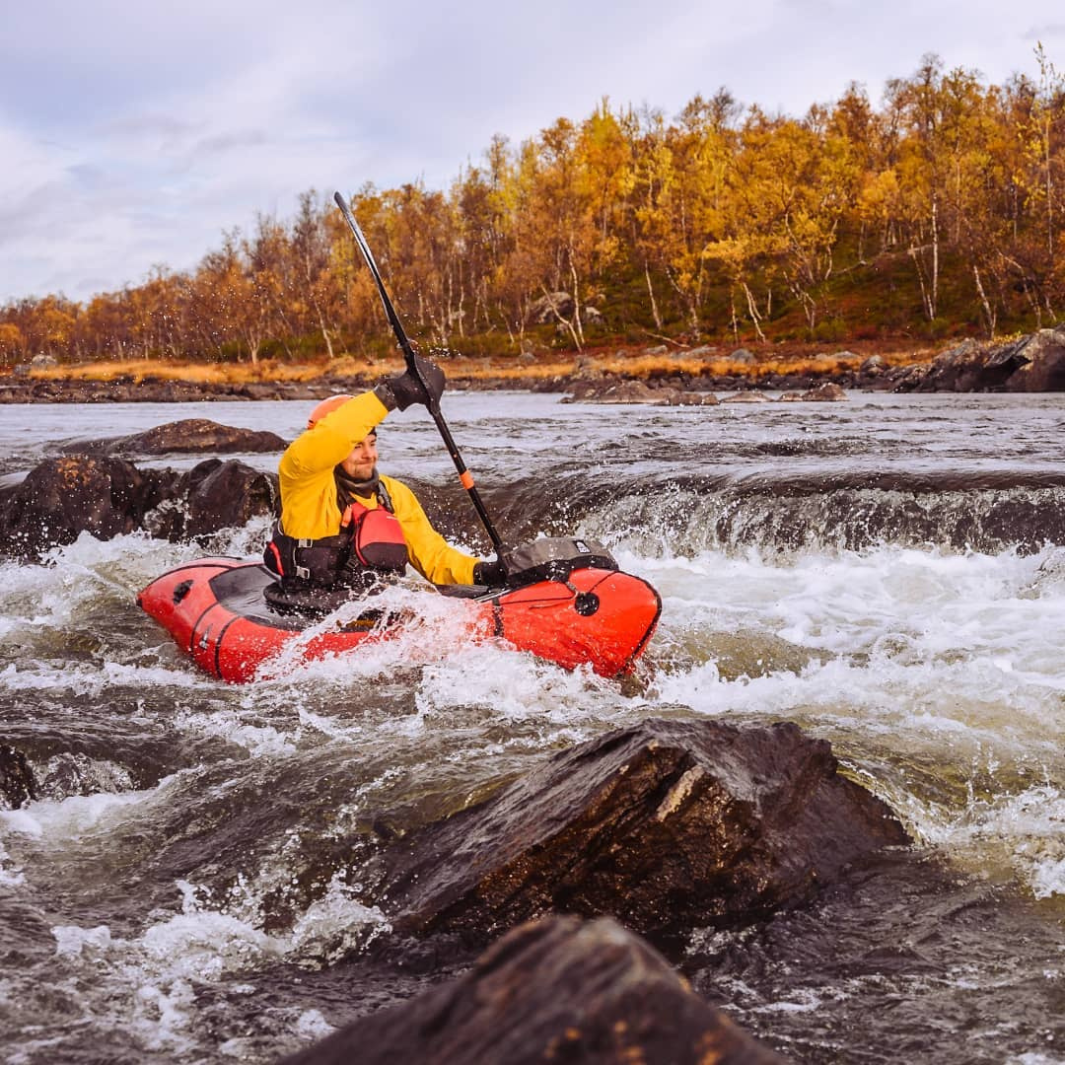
(884, 572)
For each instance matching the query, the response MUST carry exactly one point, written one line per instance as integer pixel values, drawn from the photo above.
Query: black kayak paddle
(412, 364)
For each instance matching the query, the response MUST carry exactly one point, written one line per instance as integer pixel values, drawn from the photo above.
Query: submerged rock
(17, 782)
(666, 826)
(554, 990)
(189, 436)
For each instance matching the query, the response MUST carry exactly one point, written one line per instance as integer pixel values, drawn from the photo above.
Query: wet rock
(666, 826)
(214, 495)
(554, 990)
(694, 399)
(907, 378)
(17, 783)
(791, 397)
(746, 397)
(63, 497)
(826, 393)
(108, 496)
(751, 653)
(189, 436)
(611, 390)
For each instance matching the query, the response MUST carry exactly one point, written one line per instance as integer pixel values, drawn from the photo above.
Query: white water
(935, 671)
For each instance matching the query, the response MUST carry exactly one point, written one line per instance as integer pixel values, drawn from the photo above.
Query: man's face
(360, 463)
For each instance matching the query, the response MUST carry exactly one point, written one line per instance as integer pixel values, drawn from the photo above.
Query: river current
(888, 573)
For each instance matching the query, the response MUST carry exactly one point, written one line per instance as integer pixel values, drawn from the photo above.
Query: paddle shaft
(408, 354)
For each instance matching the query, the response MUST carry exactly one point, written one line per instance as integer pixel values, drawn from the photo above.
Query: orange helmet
(326, 407)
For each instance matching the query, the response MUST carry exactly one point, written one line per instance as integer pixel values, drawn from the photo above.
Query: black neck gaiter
(348, 488)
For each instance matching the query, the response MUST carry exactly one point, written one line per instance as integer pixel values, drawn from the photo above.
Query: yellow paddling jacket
(309, 507)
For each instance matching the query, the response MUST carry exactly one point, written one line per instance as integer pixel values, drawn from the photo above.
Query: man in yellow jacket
(344, 526)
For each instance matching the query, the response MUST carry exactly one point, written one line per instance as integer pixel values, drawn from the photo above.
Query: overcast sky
(133, 133)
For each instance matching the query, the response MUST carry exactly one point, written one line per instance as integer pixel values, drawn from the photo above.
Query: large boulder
(961, 369)
(189, 436)
(555, 990)
(1042, 358)
(108, 496)
(667, 825)
(63, 497)
(214, 495)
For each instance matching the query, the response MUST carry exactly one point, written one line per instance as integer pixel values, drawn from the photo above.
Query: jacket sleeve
(305, 473)
(430, 554)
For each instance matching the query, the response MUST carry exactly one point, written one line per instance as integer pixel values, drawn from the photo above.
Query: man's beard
(349, 487)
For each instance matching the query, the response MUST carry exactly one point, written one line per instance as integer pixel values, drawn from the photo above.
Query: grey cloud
(1041, 33)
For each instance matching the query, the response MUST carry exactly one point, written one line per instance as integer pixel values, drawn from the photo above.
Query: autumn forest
(938, 212)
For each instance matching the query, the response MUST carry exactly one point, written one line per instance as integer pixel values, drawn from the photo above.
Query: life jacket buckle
(303, 573)
(303, 544)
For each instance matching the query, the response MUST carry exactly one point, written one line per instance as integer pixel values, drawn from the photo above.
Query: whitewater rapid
(186, 886)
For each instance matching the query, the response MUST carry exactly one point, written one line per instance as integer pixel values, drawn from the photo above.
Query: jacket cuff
(384, 393)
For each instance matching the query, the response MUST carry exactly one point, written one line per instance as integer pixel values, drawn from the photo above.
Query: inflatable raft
(216, 611)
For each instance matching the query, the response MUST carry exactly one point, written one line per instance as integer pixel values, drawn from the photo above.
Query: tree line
(941, 209)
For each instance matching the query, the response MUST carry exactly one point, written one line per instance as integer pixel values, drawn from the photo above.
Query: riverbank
(706, 368)
(1029, 363)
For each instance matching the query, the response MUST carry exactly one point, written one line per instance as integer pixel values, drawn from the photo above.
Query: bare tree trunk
(990, 314)
(576, 304)
(927, 298)
(752, 308)
(935, 258)
(651, 292)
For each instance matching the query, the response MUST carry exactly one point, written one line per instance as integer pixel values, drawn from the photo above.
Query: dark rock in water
(554, 990)
(604, 389)
(612, 390)
(214, 495)
(1043, 363)
(826, 393)
(666, 826)
(966, 369)
(190, 436)
(17, 783)
(63, 497)
(108, 497)
(1034, 363)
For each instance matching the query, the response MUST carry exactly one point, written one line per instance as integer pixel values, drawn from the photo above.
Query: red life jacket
(377, 540)
(370, 541)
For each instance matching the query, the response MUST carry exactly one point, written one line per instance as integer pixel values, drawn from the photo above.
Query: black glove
(490, 574)
(427, 385)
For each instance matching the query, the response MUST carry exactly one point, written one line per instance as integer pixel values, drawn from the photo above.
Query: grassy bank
(643, 363)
